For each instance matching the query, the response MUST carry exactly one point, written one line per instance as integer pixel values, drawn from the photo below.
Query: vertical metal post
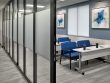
(17, 33)
(12, 29)
(53, 42)
(34, 43)
(24, 49)
(9, 29)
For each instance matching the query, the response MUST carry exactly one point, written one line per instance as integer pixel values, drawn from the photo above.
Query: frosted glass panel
(83, 20)
(29, 31)
(8, 30)
(43, 45)
(15, 30)
(43, 33)
(20, 33)
(20, 30)
(72, 21)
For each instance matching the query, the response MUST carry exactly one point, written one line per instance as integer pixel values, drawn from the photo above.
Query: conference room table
(91, 53)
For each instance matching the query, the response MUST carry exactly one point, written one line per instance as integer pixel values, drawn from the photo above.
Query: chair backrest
(63, 39)
(68, 46)
(83, 43)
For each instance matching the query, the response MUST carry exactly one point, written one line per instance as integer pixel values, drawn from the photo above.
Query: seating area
(73, 50)
(68, 46)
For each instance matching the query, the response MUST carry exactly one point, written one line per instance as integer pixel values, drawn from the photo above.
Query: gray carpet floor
(8, 71)
(95, 72)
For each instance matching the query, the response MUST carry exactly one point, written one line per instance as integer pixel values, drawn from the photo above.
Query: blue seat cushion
(74, 55)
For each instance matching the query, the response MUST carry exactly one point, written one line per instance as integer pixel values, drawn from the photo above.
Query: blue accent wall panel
(62, 31)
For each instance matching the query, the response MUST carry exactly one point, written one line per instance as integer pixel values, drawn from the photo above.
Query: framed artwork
(60, 21)
(100, 18)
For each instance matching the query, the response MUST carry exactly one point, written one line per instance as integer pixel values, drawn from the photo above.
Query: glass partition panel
(1, 19)
(26, 32)
(5, 27)
(73, 21)
(29, 38)
(6, 20)
(11, 29)
(20, 33)
(67, 15)
(43, 41)
(8, 29)
(15, 30)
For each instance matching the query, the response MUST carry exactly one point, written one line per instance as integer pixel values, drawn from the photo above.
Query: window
(72, 21)
(78, 21)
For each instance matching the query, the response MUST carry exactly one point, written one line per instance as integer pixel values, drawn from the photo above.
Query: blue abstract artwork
(100, 18)
(60, 20)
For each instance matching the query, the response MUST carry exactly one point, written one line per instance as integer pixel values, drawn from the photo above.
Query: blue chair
(63, 39)
(68, 52)
(83, 43)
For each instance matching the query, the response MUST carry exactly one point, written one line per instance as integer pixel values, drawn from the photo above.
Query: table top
(92, 48)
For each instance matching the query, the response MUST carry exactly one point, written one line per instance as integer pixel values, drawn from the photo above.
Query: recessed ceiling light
(38, 6)
(29, 5)
(25, 10)
(62, 0)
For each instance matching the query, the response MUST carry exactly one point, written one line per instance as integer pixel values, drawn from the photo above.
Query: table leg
(79, 68)
(107, 60)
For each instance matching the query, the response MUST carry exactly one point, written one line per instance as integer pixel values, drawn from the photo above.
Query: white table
(91, 53)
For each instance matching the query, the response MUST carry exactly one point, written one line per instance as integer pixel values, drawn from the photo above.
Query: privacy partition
(28, 37)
